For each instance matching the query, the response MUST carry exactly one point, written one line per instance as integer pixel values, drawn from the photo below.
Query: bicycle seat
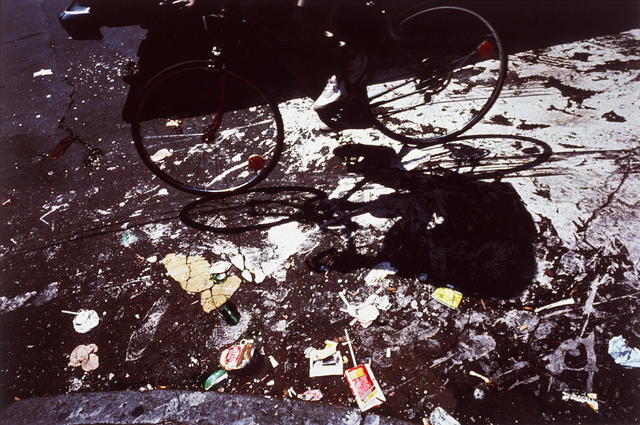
(79, 22)
(82, 19)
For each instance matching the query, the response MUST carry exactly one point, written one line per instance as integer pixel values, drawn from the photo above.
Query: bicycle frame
(250, 47)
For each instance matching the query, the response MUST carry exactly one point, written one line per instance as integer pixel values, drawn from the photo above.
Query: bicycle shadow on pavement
(458, 229)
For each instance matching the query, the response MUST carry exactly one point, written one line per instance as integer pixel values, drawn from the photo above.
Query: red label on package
(364, 386)
(233, 354)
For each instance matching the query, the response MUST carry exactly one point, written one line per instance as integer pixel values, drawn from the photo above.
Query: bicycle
(207, 126)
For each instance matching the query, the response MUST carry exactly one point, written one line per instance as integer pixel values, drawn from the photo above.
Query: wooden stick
(353, 356)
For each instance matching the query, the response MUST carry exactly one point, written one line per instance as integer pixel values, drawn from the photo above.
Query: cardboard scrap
(194, 275)
(193, 272)
(328, 350)
(327, 367)
(215, 297)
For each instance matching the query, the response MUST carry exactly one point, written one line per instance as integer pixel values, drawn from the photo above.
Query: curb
(173, 407)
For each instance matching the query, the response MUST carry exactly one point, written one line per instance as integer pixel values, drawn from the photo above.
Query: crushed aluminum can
(238, 356)
(364, 387)
(447, 296)
(215, 378)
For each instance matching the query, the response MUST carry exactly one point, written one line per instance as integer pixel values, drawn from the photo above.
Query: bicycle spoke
(210, 151)
(449, 78)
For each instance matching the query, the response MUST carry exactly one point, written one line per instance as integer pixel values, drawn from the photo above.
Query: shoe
(327, 121)
(333, 92)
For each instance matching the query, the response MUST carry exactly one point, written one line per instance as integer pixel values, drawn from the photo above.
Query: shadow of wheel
(255, 209)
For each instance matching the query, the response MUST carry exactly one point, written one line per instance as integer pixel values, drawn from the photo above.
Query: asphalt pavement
(539, 203)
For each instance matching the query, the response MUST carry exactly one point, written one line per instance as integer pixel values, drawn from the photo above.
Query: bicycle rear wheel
(205, 130)
(445, 71)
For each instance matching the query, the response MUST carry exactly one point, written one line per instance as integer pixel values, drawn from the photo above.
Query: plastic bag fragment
(623, 354)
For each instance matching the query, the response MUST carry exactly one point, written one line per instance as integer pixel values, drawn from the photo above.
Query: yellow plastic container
(447, 296)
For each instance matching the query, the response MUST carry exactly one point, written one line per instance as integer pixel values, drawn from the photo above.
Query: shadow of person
(475, 235)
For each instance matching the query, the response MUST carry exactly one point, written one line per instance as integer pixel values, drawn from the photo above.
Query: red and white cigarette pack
(364, 387)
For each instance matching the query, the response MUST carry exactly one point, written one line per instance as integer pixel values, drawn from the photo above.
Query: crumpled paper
(84, 356)
(623, 354)
(369, 310)
(85, 320)
(311, 395)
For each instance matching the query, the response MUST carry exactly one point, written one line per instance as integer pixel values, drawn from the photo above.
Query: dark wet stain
(581, 56)
(543, 193)
(626, 44)
(137, 411)
(575, 94)
(616, 65)
(576, 358)
(524, 126)
(62, 146)
(500, 120)
(564, 111)
(513, 79)
(613, 117)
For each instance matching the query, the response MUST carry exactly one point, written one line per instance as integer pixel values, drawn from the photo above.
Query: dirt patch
(616, 65)
(581, 56)
(613, 117)
(500, 120)
(525, 126)
(575, 94)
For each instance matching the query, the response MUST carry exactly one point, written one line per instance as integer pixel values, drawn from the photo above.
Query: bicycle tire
(435, 85)
(206, 130)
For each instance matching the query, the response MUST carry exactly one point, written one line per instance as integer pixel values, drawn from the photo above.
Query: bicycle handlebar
(82, 19)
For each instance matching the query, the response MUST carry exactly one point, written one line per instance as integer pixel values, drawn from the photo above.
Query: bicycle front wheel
(445, 71)
(205, 130)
